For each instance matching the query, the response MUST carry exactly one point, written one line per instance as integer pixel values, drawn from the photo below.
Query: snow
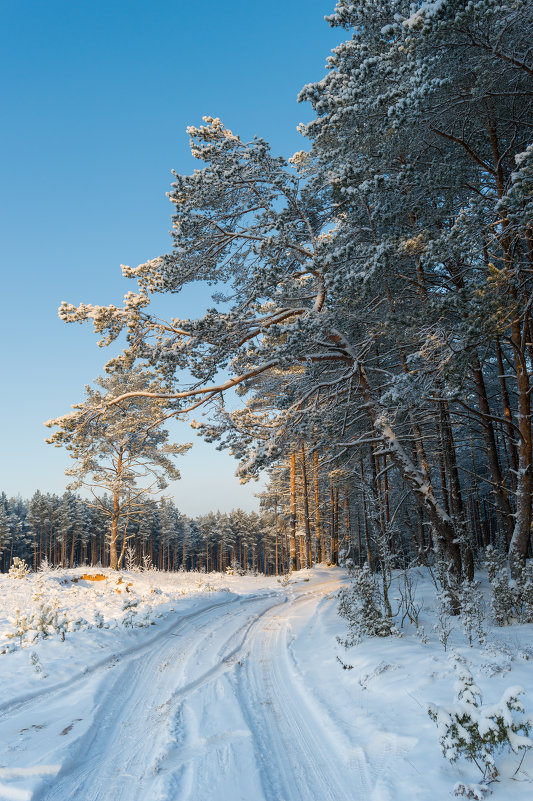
(236, 693)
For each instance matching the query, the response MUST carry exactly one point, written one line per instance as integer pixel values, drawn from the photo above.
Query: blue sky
(96, 97)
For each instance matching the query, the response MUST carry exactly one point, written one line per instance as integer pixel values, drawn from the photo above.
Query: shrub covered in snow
(361, 606)
(20, 626)
(475, 731)
(512, 600)
(474, 791)
(502, 602)
(472, 611)
(18, 569)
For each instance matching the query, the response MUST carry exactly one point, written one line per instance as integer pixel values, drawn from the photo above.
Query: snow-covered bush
(130, 618)
(44, 567)
(78, 624)
(502, 603)
(36, 665)
(21, 625)
(237, 568)
(472, 611)
(98, 619)
(474, 791)
(18, 569)
(524, 593)
(60, 623)
(129, 607)
(512, 600)
(443, 626)
(410, 607)
(285, 579)
(361, 606)
(41, 621)
(47, 617)
(147, 562)
(476, 732)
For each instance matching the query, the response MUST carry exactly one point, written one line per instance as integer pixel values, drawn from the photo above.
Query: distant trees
(158, 535)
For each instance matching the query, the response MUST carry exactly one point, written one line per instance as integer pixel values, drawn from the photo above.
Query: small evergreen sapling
(129, 607)
(21, 626)
(472, 611)
(502, 603)
(512, 599)
(48, 617)
(524, 593)
(476, 732)
(44, 567)
(98, 620)
(36, 665)
(19, 569)
(361, 606)
(285, 579)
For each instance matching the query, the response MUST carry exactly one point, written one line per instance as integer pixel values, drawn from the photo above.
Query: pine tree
(120, 449)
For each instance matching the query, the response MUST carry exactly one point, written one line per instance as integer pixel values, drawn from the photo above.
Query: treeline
(65, 531)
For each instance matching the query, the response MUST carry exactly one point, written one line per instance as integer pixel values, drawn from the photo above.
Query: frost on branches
(477, 732)
(361, 606)
(512, 598)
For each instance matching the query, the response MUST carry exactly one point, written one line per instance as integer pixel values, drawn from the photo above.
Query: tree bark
(308, 559)
(318, 529)
(292, 533)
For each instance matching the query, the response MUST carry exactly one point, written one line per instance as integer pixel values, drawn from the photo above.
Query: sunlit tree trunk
(292, 534)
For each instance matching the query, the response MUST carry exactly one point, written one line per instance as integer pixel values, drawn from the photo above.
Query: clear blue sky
(96, 96)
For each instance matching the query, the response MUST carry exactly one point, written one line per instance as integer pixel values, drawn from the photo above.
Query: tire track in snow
(353, 755)
(297, 760)
(215, 734)
(121, 756)
(152, 735)
(14, 704)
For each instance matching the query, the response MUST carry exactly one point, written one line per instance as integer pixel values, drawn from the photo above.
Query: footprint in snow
(67, 729)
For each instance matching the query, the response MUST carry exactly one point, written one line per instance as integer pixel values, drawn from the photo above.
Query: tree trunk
(308, 559)
(113, 556)
(318, 530)
(487, 429)
(292, 534)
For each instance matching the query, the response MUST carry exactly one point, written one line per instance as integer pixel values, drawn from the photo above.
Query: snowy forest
(65, 531)
(368, 348)
(373, 296)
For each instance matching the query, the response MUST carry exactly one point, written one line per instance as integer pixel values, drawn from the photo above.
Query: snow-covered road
(236, 694)
(214, 708)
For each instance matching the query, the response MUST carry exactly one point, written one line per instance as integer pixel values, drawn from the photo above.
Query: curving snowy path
(218, 707)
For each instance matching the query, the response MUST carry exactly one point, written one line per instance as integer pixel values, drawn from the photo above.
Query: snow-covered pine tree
(123, 450)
